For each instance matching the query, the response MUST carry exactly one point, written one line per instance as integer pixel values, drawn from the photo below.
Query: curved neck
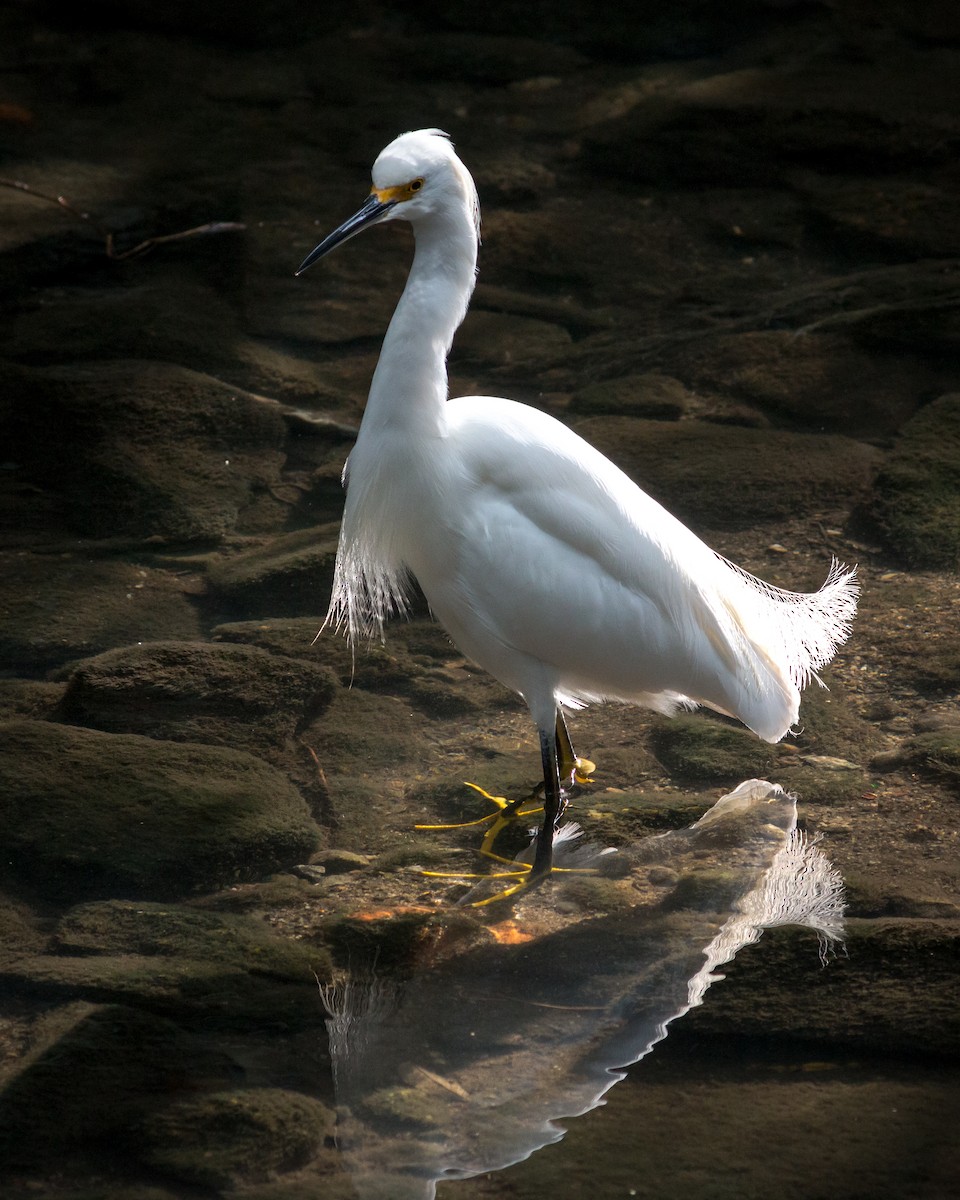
(409, 386)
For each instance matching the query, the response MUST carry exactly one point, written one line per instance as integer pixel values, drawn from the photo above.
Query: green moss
(176, 931)
(90, 815)
(916, 499)
(937, 752)
(697, 747)
(226, 1139)
(92, 1072)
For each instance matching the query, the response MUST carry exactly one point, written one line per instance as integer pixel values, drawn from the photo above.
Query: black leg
(552, 802)
(566, 755)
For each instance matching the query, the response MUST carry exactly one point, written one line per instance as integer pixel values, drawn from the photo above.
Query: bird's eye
(415, 185)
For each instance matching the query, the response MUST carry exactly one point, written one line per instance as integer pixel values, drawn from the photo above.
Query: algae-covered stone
(937, 752)
(177, 931)
(89, 814)
(700, 748)
(92, 1071)
(54, 608)
(648, 394)
(146, 449)
(289, 576)
(229, 695)
(230, 1138)
(870, 997)
(726, 477)
(916, 498)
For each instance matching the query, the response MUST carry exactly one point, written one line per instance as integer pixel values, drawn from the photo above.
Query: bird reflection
(468, 1067)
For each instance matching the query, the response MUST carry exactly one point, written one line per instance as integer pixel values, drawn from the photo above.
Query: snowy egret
(545, 563)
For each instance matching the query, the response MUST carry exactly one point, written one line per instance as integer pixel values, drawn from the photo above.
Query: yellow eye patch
(396, 195)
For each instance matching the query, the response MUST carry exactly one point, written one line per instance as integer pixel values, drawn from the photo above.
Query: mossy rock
(176, 931)
(92, 1071)
(937, 752)
(649, 394)
(58, 608)
(230, 1138)
(895, 985)
(704, 749)
(290, 576)
(91, 815)
(916, 497)
(147, 449)
(228, 695)
(725, 477)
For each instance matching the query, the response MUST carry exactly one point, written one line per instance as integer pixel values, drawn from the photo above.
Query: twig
(110, 249)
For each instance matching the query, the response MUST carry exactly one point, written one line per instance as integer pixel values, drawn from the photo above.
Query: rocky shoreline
(724, 249)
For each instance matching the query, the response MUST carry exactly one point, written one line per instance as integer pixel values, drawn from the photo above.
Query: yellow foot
(523, 874)
(507, 812)
(583, 768)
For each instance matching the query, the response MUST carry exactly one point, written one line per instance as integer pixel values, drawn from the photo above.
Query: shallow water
(725, 250)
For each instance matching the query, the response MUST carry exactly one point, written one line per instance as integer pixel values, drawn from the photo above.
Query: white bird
(545, 563)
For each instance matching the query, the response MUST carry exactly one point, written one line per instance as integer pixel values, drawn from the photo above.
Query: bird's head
(417, 176)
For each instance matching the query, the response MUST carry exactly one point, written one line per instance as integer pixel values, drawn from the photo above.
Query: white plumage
(546, 564)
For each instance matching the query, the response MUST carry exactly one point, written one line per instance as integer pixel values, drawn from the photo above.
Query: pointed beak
(374, 210)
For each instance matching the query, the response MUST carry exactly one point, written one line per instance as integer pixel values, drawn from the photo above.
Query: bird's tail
(810, 626)
(781, 640)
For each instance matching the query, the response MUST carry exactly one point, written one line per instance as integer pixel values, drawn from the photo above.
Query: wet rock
(91, 814)
(58, 607)
(513, 179)
(756, 125)
(501, 339)
(937, 752)
(725, 477)
(824, 381)
(226, 695)
(871, 897)
(417, 660)
(831, 727)
(226, 968)
(146, 449)
(173, 319)
(235, 1138)
(898, 216)
(701, 748)
(177, 931)
(628, 816)
(222, 995)
(117, 1063)
(28, 698)
(290, 576)
(338, 862)
(648, 394)
(289, 637)
(20, 930)
(822, 787)
(893, 611)
(916, 498)
(481, 58)
(866, 998)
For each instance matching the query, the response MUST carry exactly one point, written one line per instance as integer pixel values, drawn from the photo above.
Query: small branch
(212, 227)
(198, 231)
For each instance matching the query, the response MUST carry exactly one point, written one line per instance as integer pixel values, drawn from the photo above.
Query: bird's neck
(409, 387)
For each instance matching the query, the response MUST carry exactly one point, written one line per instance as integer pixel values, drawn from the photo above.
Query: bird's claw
(507, 812)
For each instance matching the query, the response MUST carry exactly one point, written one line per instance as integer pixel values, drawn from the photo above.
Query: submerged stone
(916, 497)
(92, 814)
(700, 748)
(231, 1138)
(228, 695)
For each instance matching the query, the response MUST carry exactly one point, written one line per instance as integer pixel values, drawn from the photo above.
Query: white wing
(544, 535)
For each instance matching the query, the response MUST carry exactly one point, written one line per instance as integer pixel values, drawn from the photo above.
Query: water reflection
(468, 1066)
